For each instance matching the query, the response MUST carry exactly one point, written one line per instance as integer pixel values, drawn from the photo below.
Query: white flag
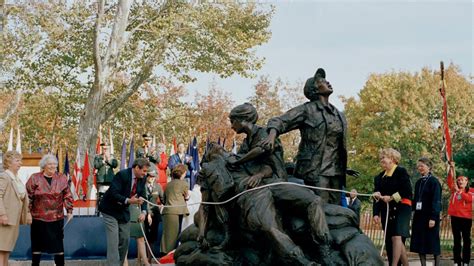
(111, 142)
(18, 140)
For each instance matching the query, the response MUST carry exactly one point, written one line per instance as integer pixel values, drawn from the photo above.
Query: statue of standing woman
(322, 155)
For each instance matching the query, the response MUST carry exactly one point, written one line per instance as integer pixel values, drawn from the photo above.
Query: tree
(96, 65)
(272, 99)
(464, 159)
(211, 119)
(403, 111)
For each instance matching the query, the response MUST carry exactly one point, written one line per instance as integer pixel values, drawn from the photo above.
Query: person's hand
(141, 218)
(29, 219)
(376, 219)
(135, 200)
(4, 219)
(431, 223)
(253, 181)
(269, 142)
(188, 159)
(150, 220)
(352, 172)
(377, 195)
(386, 199)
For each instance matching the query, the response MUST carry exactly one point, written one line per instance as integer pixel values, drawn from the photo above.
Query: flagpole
(446, 135)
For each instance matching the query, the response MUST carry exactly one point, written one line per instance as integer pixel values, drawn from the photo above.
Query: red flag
(446, 136)
(76, 177)
(85, 176)
(175, 147)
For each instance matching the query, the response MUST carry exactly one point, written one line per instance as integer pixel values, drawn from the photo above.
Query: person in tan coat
(176, 194)
(13, 205)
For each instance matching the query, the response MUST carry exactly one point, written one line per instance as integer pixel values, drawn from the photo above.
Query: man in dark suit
(354, 203)
(127, 187)
(180, 157)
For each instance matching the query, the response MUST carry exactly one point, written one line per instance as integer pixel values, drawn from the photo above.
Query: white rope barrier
(257, 188)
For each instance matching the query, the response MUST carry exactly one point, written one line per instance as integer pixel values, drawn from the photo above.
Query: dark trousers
(461, 229)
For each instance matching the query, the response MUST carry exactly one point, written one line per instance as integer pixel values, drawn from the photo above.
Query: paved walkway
(413, 262)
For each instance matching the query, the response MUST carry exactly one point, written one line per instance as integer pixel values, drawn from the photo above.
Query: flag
(111, 142)
(343, 198)
(219, 140)
(18, 140)
(123, 155)
(72, 185)
(10, 141)
(446, 136)
(85, 176)
(234, 147)
(195, 155)
(76, 176)
(131, 158)
(174, 146)
(223, 142)
(57, 159)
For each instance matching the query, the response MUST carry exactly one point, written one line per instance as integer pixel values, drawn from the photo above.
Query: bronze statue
(322, 155)
(279, 224)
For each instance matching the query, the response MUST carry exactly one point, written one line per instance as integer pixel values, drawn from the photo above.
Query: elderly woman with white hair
(49, 194)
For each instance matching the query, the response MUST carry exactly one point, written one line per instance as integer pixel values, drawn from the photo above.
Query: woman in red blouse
(49, 194)
(460, 210)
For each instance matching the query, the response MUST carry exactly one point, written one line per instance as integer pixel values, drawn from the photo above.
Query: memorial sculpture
(270, 222)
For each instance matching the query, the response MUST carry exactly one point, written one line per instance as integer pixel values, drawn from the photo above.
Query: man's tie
(134, 187)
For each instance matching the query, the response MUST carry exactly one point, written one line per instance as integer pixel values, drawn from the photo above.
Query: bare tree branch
(117, 36)
(133, 86)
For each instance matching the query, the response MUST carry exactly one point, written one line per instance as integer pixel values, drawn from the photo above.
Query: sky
(352, 39)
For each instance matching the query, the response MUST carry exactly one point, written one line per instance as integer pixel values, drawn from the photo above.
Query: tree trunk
(11, 109)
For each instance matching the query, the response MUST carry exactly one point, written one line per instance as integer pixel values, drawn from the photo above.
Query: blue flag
(132, 153)
(219, 140)
(195, 155)
(57, 158)
(343, 198)
(223, 143)
(66, 166)
(123, 155)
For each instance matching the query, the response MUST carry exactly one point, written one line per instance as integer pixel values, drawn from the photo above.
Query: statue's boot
(317, 220)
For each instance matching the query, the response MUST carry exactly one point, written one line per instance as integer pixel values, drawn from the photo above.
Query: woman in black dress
(426, 206)
(393, 186)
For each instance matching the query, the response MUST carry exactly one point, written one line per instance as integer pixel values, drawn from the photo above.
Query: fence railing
(375, 233)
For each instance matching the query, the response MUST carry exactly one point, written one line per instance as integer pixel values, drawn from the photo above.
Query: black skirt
(398, 220)
(47, 236)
